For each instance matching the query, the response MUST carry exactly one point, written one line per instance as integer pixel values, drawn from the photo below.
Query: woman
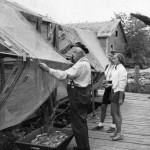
(119, 81)
(108, 75)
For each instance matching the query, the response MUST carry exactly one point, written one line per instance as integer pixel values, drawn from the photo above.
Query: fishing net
(27, 86)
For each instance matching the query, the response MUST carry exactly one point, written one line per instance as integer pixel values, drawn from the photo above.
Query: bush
(139, 60)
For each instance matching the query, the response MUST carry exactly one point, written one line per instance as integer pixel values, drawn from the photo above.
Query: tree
(137, 35)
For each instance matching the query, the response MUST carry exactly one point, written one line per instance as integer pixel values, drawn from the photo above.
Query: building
(112, 37)
(110, 34)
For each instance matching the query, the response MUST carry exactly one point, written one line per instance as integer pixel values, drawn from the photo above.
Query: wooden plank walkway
(135, 127)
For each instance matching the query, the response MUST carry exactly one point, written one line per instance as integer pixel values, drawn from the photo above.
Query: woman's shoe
(111, 130)
(118, 137)
(98, 128)
(113, 134)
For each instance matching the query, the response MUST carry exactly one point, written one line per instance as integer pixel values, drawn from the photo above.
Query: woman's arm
(122, 79)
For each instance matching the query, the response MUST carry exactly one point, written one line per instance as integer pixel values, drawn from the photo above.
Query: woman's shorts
(114, 97)
(106, 96)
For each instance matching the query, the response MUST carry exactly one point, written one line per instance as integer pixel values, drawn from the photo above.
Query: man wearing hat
(79, 93)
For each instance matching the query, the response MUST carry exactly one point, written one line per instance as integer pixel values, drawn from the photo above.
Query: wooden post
(107, 47)
(56, 35)
(93, 104)
(54, 96)
(2, 72)
(38, 27)
(48, 31)
(136, 78)
(56, 46)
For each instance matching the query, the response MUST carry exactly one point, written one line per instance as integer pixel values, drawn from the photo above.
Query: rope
(53, 115)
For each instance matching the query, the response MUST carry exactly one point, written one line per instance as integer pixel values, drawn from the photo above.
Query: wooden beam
(54, 96)
(30, 17)
(38, 27)
(56, 37)
(107, 46)
(2, 72)
(48, 30)
(93, 103)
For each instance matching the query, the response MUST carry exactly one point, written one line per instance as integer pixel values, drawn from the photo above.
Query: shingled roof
(103, 29)
(107, 28)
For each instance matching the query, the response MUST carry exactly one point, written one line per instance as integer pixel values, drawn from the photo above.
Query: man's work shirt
(80, 73)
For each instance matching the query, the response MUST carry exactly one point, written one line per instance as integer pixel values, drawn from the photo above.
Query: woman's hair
(121, 58)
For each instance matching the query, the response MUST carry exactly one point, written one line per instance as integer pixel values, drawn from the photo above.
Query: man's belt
(76, 86)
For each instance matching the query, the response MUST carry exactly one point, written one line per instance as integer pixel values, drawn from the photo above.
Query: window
(116, 33)
(112, 47)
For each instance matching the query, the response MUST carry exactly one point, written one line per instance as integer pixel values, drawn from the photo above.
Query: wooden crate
(25, 142)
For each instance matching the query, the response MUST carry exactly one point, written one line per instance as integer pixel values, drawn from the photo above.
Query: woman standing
(106, 101)
(119, 81)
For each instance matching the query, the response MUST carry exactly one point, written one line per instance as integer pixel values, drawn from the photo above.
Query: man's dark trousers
(79, 100)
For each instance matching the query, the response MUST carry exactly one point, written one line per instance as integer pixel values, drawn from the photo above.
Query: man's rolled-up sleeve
(59, 74)
(74, 71)
(70, 73)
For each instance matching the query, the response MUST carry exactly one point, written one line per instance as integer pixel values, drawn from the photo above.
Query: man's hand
(104, 83)
(44, 66)
(108, 85)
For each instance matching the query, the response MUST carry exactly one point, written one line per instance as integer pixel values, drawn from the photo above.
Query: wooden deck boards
(135, 127)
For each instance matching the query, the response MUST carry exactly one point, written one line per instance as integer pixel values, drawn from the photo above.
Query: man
(108, 75)
(79, 94)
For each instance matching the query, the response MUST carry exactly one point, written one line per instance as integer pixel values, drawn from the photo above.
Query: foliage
(137, 34)
(9, 136)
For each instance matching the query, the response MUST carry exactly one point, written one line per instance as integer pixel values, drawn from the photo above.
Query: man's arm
(122, 84)
(59, 74)
(122, 79)
(74, 71)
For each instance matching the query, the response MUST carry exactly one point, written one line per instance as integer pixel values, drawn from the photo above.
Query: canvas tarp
(22, 35)
(96, 57)
(27, 86)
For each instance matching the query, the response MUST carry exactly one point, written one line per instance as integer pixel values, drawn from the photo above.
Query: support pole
(136, 79)
(93, 104)
(2, 74)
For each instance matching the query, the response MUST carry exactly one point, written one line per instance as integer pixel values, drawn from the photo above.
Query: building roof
(107, 28)
(103, 29)
(19, 7)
